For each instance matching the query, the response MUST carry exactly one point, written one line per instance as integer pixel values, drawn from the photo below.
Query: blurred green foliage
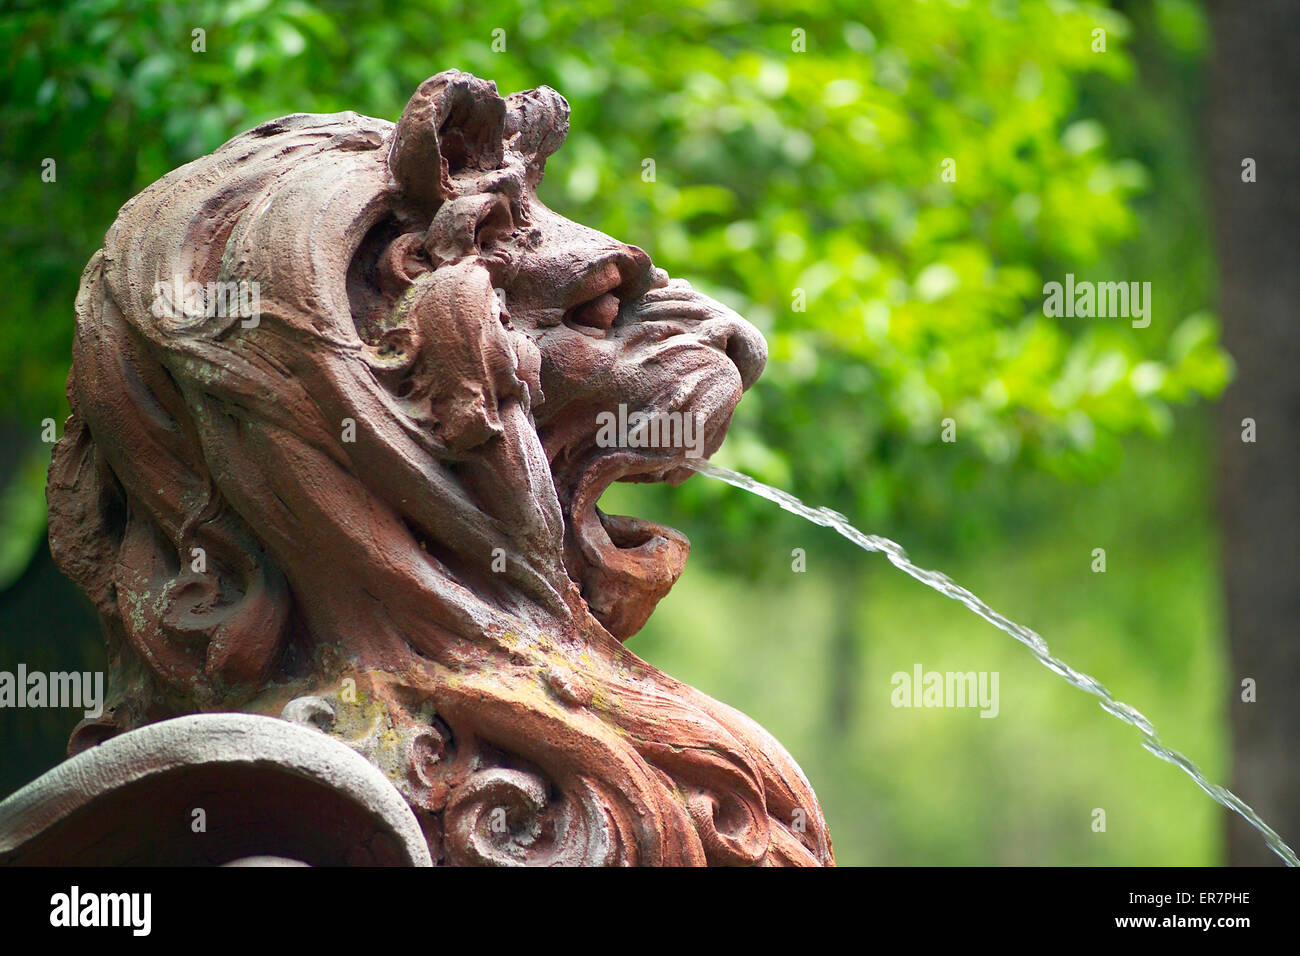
(774, 171)
(794, 151)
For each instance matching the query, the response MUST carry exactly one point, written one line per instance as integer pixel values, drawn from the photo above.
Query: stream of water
(1037, 646)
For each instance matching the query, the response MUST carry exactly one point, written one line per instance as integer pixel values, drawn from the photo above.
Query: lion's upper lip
(685, 311)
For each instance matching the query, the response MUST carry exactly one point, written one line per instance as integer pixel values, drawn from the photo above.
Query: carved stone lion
(369, 506)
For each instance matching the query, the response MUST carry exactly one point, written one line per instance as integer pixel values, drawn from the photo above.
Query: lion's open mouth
(623, 565)
(657, 391)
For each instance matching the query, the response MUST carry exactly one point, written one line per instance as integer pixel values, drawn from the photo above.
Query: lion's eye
(599, 313)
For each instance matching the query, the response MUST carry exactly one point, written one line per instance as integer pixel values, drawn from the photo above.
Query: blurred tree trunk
(845, 651)
(1255, 90)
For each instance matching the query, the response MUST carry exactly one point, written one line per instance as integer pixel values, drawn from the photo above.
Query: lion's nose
(743, 344)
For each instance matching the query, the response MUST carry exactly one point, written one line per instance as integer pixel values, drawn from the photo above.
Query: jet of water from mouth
(1037, 646)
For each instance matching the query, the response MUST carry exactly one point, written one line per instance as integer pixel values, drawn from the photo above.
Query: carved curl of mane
(265, 522)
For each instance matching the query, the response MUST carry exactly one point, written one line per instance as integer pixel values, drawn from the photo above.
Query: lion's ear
(537, 121)
(453, 121)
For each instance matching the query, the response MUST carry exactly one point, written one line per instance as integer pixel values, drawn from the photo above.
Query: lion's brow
(586, 285)
(592, 278)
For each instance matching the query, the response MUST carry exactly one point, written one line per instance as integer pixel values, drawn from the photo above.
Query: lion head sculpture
(369, 503)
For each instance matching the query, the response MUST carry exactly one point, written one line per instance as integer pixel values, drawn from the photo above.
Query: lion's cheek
(464, 419)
